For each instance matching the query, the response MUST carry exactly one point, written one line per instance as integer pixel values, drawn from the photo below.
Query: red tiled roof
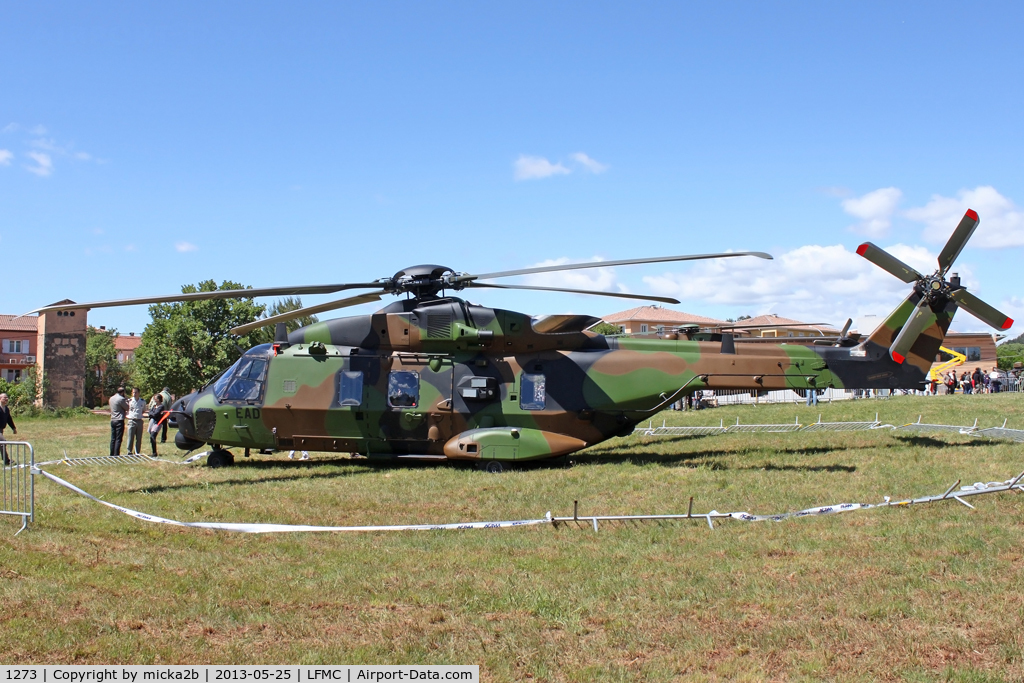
(127, 342)
(770, 320)
(657, 314)
(11, 323)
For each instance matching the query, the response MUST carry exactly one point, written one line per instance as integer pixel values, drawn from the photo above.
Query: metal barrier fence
(738, 397)
(18, 486)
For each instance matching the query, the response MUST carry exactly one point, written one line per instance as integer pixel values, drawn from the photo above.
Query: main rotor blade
(981, 310)
(958, 240)
(300, 312)
(912, 329)
(846, 327)
(889, 263)
(217, 294)
(619, 295)
(609, 264)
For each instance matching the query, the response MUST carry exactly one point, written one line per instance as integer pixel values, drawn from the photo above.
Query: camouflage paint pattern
(444, 378)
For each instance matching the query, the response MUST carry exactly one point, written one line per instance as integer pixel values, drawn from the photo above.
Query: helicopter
(435, 377)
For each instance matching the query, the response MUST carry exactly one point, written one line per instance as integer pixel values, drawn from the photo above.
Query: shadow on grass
(705, 458)
(932, 442)
(268, 466)
(769, 467)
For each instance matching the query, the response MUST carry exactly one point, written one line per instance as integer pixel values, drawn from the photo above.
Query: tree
(605, 328)
(103, 373)
(22, 395)
(1008, 354)
(189, 343)
(283, 306)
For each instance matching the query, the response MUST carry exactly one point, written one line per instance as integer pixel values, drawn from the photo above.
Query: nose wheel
(219, 457)
(493, 466)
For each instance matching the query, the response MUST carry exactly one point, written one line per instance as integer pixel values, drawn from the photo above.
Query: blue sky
(144, 146)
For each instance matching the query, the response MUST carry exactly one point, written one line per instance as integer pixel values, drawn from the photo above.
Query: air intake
(439, 326)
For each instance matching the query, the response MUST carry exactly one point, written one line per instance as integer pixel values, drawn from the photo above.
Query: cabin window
(534, 392)
(403, 389)
(350, 388)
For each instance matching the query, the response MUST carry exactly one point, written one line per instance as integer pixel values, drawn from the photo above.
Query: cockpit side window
(245, 381)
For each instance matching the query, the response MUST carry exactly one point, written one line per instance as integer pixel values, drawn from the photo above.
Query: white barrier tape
(809, 512)
(280, 528)
(973, 489)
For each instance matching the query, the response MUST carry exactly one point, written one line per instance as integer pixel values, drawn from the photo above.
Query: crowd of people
(977, 382)
(131, 413)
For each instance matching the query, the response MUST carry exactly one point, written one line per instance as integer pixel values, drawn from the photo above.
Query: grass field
(921, 593)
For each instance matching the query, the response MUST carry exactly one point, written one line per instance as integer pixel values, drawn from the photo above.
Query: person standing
(5, 420)
(168, 399)
(156, 415)
(118, 408)
(812, 396)
(136, 407)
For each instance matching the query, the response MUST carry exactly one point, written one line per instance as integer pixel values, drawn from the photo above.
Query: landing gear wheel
(220, 458)
(494, 467)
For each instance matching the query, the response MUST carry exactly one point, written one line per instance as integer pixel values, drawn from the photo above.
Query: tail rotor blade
(981, 310)
(889, 263)
(911, 331)
(309, 310)
(958, 240)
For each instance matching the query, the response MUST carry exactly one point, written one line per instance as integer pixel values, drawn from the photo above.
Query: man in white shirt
(136, 408)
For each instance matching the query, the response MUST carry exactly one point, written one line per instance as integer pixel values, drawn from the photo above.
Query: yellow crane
(956, 358)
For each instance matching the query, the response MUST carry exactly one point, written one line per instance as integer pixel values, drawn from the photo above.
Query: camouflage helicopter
(436, 377)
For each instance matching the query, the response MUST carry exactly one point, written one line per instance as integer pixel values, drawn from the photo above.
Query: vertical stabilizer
(925, 349)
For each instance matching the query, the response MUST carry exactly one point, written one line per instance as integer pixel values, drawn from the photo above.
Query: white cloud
(183, 247)
(814, 283)
(532, 168)
(875, 210)
(600, 279)
(1013, 307)
(1002, 221)
(44, 164)
(590, 165)
(5, 157)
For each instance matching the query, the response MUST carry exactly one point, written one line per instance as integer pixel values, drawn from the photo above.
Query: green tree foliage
(1008, 354)
(605, 328)
(103, 374)
(188, 343)
(283, 306)
(21, 396)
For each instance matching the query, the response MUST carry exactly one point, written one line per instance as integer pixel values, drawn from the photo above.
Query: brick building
(54, 344)
(771, 325)
(20, 344)
(647, 320)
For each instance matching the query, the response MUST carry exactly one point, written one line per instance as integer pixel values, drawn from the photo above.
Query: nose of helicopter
(181, 412)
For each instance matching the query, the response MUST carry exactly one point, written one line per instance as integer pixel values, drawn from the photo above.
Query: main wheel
(220, 458)
(494, 467)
